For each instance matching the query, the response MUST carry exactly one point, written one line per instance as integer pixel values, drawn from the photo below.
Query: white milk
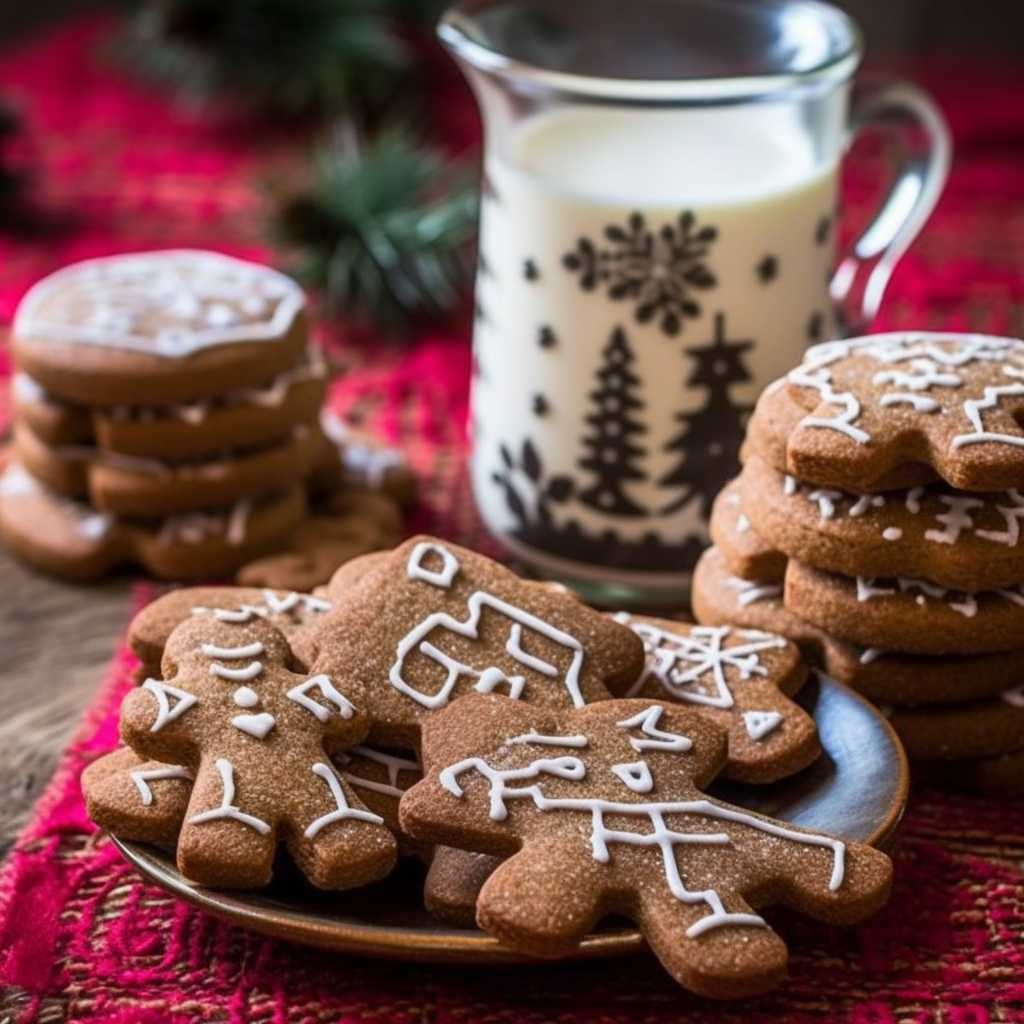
(747, 172)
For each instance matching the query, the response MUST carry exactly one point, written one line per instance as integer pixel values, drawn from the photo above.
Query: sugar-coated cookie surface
(897, 410)
(432, 621)
(742, 679)
(158, 327)
(965, 541)
(600, 809)
(255, 734)
(722, 597)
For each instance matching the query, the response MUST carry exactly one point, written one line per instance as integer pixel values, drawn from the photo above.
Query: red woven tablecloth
(83, 939)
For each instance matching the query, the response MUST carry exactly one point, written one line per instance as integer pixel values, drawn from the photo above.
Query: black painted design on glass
(479, 313)
(660, 271)
(540, 406)
(815, 327)
(541, 506)
(484, 268)
(530, 271)
(708, 444)
(823, 231)
(612, 456)
(768, 269)
(546, 338)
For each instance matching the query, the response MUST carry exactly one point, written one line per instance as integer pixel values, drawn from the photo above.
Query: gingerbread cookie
(742, 680)
(887, 677)
(294, 614)
(992, 776)
(909, 615)
(135, 799)
(360, 460)
(244, 419)
(978, 729)
(745, 550)
(892, 411)
(154, 328)
(74, 541)
(453, 884)
(254, 732)
(154, 488)
(968, 542)
(347, 526)
(601, 810)
(435, 621)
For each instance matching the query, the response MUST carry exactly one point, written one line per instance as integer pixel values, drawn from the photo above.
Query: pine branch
(286, 56)
(384, 228)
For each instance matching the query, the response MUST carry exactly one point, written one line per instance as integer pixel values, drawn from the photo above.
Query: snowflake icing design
(658, 270)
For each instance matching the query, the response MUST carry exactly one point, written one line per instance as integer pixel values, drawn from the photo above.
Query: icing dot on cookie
(892, 533)
(246, 697)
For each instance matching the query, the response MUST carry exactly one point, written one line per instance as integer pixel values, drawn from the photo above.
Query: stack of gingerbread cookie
(549, 762)
(166, 412)
(876, 521)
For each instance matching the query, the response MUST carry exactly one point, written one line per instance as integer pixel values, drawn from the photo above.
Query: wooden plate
(857, 790)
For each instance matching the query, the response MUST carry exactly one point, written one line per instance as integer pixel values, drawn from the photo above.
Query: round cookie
(892, 411)
(75, 541)
(886, 677)
(969, 542)
(909, 615)
(739, 678)
(744, 549)
(154, 488)
(241, 419)
(979, 729)
(158, 327)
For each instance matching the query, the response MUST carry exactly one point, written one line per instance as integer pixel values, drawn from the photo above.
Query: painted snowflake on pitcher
(657, 270)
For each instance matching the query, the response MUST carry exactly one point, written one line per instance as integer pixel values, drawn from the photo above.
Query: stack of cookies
(166, 412)
(876, 522)
(547, 761)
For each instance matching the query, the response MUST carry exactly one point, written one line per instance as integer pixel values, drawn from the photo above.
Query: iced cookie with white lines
(893, 411)
(965, 541)
(153, 328)
(135, 799)
(884, 676)
(432, 621)
(742, 679)
(255, 734)
(602, 810)
(75, 541)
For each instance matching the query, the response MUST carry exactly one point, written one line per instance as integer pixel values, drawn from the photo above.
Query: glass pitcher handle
(859, 282)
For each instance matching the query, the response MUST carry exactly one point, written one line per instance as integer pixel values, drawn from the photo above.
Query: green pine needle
(385, 229)
(288, 56)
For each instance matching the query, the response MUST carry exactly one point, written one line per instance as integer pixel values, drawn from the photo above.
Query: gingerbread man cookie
(893, 411)
(253, 732)
(434, 621)
(601, 810)
(741, 679)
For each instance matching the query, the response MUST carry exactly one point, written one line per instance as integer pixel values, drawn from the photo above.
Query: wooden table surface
(56, 641)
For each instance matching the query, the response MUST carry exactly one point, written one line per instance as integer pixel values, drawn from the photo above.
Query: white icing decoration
(750, 592)
(924, 374)
(955, 519)
(18, 482)
(343, 812)
(547, 741)
(321, 683)
(514, 646)
(435, 577)
(869, 654)
(919, 402)
(142, 777)
(790, 485)
(177, 288)
(965, 604)
(686, 664)
(488, 677)
(248, 651)
(913, 500)
(1014, 697)
(395, 766)
(742, 524)
(246, 697)
(647, 722)
(255, 725)
(760, 723)
(227, 807)
(165, 713)
(661, 836)
(236, 675)
(197, 527)
(27, 389)
(892, 533)
(826, 500)
(636, 775)
(1012, 515)
(973, 409)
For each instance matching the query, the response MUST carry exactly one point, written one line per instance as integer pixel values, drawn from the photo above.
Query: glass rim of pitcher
(453, 31)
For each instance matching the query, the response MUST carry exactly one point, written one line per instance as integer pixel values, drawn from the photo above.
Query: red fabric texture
(82, 938)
